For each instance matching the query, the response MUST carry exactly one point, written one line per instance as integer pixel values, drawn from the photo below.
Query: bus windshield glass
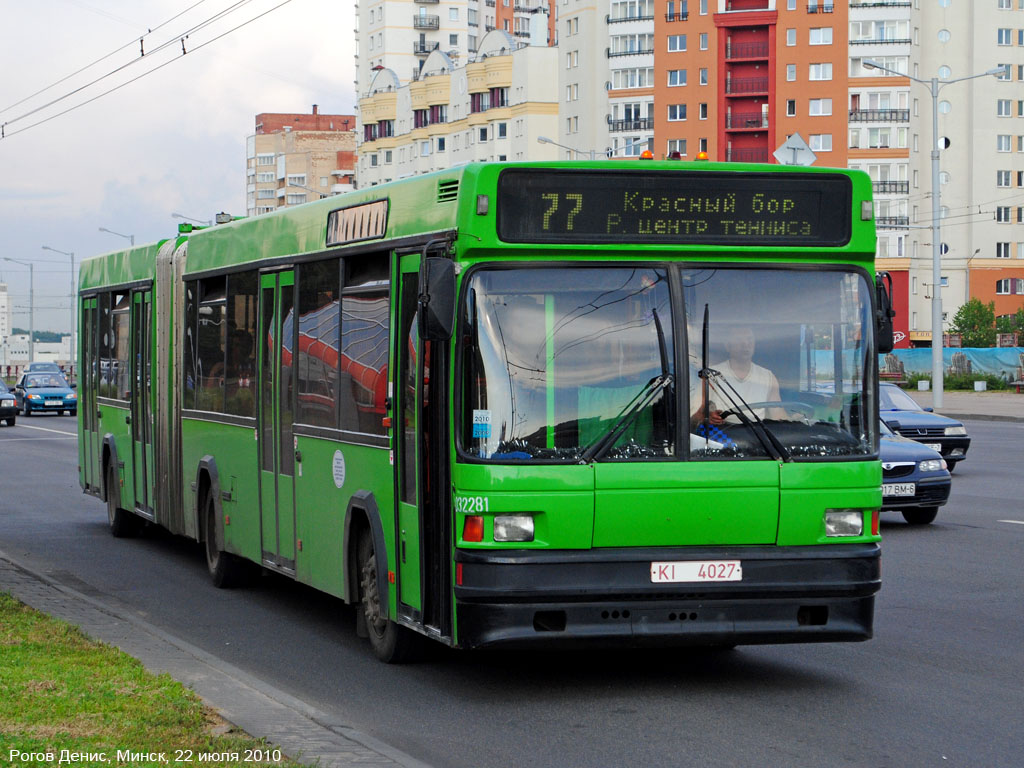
(566, 365)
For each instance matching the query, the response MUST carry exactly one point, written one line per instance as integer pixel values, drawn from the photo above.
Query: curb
(981, 417)
(303, 732)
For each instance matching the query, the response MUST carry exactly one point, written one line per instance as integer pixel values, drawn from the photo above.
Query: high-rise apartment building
(293, 158)
(491, 110)
(981, 160)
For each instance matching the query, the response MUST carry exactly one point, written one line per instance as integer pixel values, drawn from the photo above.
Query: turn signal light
(473, 528)
(874, 522)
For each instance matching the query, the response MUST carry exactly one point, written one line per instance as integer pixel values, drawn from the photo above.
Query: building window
(791, 72)
(821, 36)
(703, 7)
(295, 198)
(790, 37)
(1003, 108)
(264, 177)
(441, 143)
(704, 40)
(676, 112)
(791, 108)
(265, 159)
(677, 145)
(677, 77)
(676, 43)
(1002, 250)
(1003, 214)
(1004, 36)
(703, 111)
(1003, 143)
(790, 5)
(821, 142)
(703, 75)
(1002, 286)
(502, 130)
(703, 145)
(296, 180)
(1002, 178)
(821, 71)
(820, 107)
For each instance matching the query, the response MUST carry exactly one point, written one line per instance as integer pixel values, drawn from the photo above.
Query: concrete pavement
(987, 406)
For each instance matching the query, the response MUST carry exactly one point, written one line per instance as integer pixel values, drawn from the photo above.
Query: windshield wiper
(756, 425)
(642, 399)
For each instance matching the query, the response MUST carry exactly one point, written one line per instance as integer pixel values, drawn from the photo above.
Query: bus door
(424, 536)
(88, 381)
(141, 405)
(276, 444)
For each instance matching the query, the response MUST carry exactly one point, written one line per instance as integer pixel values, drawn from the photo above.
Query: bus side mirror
(437, 298)
(884, 312)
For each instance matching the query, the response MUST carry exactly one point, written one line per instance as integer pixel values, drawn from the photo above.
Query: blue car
(915, 478)
(902, 413)
(8, 405)
(45, 392)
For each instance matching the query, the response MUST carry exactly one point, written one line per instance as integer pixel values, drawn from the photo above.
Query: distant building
(5, 313)
(294, 158)
(490, 110)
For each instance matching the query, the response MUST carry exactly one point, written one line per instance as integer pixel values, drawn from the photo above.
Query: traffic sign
(794, 151)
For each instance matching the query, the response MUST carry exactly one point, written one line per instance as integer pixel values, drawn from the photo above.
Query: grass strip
(62, 693)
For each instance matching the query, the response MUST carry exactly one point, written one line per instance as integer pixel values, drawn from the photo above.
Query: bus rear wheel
(226, 570)
(391, 643)
(123, 524)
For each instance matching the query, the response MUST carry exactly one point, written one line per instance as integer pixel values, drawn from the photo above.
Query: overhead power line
(7, 134)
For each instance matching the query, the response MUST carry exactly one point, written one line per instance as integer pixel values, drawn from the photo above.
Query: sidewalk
(985, 406)
(301, 731)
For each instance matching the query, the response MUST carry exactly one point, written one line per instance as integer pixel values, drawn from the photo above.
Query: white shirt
(756, 387)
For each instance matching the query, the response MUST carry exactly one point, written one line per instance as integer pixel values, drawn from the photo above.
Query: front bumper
(8, 409)
(41, 406)
(605, 597)
(930, 493)
(954, 448)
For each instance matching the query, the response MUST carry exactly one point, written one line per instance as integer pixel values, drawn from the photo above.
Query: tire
(921, 516)
(73, 413)
(391, 643)
(226, 570)
(26, 411)
(951, 465)
(123, 524)
(11, 420)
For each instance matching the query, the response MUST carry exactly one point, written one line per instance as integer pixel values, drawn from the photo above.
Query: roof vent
(448, 191)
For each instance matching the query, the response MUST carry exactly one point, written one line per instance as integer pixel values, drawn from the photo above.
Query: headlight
(961, 430)
(932, 465)
(34, 397)
(844, 522)
(72, 396)
(513, 528)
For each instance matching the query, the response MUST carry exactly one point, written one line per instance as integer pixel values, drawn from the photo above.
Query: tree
(975, 321)
(1011, 323)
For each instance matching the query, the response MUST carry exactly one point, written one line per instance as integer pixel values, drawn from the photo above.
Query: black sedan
(41, 392)
(8, 405)
(915, 479)
(902, 413)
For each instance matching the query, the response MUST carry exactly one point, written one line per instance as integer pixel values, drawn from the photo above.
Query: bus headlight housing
(513, 528)
(844, 522)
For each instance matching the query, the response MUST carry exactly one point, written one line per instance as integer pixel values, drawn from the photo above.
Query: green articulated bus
(515, 404)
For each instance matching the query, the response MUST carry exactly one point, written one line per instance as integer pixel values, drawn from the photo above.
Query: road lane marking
(46, 429)
(1015, 522)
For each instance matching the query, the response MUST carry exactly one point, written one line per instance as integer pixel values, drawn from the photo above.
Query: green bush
(959, 382)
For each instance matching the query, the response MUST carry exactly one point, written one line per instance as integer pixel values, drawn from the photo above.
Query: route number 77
(573, 198)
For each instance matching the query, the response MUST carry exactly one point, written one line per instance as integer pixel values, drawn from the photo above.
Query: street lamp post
(130, 238)
(74, 306)
(546, 140)
(934, 85)
(31, 304)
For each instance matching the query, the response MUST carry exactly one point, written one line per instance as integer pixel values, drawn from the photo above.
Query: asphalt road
(942, 682)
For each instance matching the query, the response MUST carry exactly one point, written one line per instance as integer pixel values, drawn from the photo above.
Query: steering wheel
(807, 411)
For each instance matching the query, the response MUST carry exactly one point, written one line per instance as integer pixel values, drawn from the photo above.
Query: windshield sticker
(481, 424)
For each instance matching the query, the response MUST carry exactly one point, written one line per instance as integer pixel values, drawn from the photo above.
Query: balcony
(641, 124)
(610, 20)
(883, 41)
(880, 3)
(892, 222)
(422, 21)
(677, 16)
(746, 85)
(747, 156)
(891, 187)
(424, 49)
(746, 121)
(879, 115)
(639, 52)
(823, 8)
(746, 51)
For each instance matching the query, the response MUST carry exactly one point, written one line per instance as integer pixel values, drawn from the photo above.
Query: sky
(173, 141)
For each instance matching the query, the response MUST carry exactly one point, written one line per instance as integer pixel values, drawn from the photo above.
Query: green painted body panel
(234, 449)
(113, 422)
(677, 503)
(321, 506)
(809, 489)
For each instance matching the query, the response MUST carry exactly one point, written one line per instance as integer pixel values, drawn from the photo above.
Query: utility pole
(74, 306)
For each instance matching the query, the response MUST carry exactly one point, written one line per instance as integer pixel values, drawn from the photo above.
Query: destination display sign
(686, 207)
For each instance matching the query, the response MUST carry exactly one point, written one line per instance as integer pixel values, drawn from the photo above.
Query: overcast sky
(172, 141)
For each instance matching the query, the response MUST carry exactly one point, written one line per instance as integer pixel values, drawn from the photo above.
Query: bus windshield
(559, 361)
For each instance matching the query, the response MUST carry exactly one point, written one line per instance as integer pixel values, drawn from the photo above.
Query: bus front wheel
(391, 643)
